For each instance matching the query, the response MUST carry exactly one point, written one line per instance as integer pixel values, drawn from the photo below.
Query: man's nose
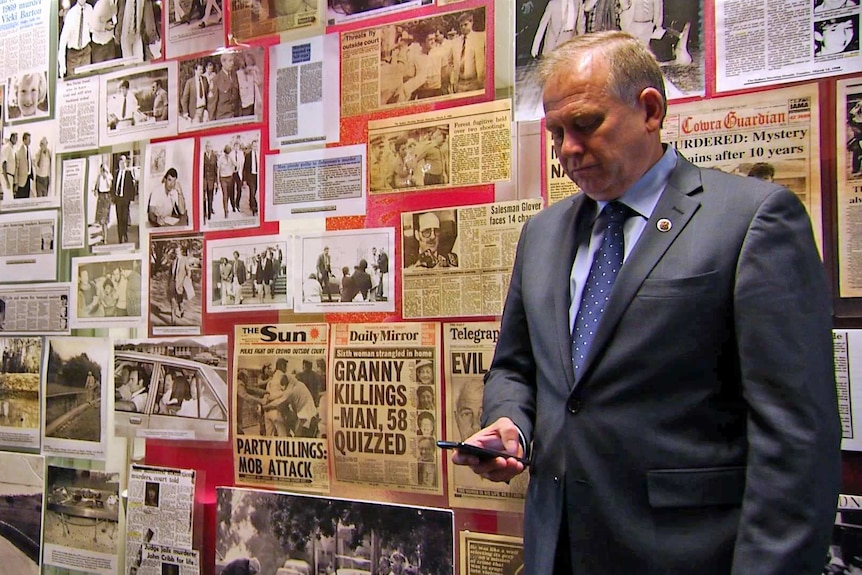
(570, 146)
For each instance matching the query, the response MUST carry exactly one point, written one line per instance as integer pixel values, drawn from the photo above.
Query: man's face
(134, 383)
(121, 90)
(603, 144)
(466, 27)
(426, 450)
(426, 426)
(115, 275)
(170, 183)
(426, 399)
(26, 140)
(468, 409)
(429, 238)
(227, 62)
(836, 37)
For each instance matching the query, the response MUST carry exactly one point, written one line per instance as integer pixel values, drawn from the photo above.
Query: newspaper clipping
(847, 354)
(763, 42)
(457, 147)
(770, 135)
(377, 428)
(469, 349)
(113, 205)
(316, 183)
(488, 554)
(77, 114)
(35, 309)
(280, 406)
(139, 105)
(20, 392)
(303, 85)
(24, 35)
(848, 158)
(176, 284)
(255, 18)
(558, 186)
(164, 560)
(160, 512)
(72, 203)
(442, 57)
(81, 520)
(191, 29)
(457, 262)
(344, 11)
(844, 556)
(75, 398)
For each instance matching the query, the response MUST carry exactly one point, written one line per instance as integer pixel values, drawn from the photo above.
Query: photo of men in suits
(23, 168)
(246, 274)
(124, 193)
(229, 171)
(665, 352)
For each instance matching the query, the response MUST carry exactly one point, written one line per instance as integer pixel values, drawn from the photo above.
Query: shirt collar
(643, 196)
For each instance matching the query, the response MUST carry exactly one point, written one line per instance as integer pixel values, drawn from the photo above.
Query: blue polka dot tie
(603, 271)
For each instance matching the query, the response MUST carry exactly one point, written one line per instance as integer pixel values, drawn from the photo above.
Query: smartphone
(480, 452)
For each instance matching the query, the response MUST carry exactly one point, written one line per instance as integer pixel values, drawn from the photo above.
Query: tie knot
(616, 212)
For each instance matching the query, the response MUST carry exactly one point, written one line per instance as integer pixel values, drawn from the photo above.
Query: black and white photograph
(344, 11)
(27, 96)
(844, 556)
(255, 18)
(430, 240)
(108, 291)
(19, 391)
(82, 508)
(114, 200)
(223, 89)
(280, 397)
(344, 271)
(193, 26)
(95, 35)
(268, 532)
(671, 28)
(139, 105)
(22, 486)
(248, 274)
(167, 186)
(409, 158)
(29, 176)
(853, 104)
(836, 36)
(29, 249)
(171, 388)
(74, 407)
(435, 58)
(176, 292)
(230, 177)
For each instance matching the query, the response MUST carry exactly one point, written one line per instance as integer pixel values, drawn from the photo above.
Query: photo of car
(169, 397)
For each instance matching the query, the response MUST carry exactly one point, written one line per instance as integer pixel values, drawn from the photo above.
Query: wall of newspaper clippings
(267, 243)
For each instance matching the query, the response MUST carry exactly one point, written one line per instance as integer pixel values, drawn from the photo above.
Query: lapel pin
(663, 225)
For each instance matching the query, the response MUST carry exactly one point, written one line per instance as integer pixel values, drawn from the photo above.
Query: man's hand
(502, 435)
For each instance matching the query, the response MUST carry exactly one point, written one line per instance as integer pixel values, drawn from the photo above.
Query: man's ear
(653, 105)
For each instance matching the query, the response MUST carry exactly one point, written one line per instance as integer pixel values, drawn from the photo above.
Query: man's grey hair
(632, 67)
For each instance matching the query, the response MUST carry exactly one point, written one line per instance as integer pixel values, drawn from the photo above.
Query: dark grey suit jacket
(703, 434)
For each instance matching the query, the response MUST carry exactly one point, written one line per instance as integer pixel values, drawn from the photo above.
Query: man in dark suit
(239, 277)
(210, 177)
(193, 101)
(123, 195)
(693, 419)
(224, 103)
(250, 171)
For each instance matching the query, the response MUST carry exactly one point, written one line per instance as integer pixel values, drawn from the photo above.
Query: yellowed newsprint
(457, 262)
(468, 349)
(487, 554)
(558, 186)
(254, 18)
(772, 135)
(848, 161)
(414, 61)
(460, 146)
(279, 406)
(381, 436)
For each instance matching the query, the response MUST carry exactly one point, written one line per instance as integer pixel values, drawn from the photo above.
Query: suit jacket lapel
(574, 227)
(675, 205)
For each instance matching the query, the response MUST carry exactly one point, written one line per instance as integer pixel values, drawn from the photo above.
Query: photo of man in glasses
(434, 234)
